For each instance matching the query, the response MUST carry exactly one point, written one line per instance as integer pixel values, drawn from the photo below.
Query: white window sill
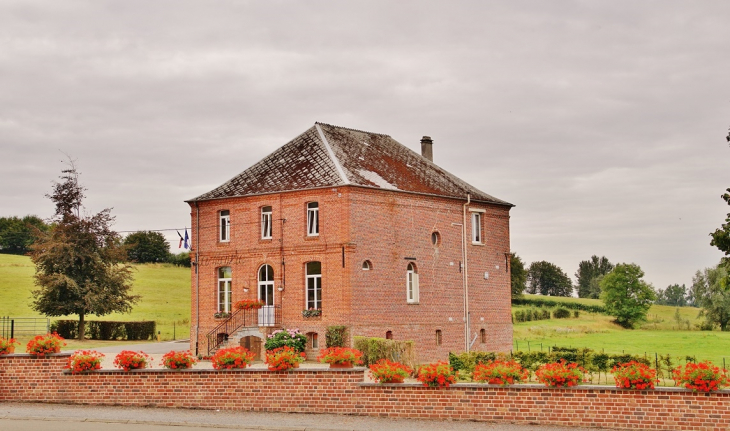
(477, 243)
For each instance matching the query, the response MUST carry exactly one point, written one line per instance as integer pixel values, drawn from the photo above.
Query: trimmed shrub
(467, 361)
(561, 313)
(336, 336)
(374, 349)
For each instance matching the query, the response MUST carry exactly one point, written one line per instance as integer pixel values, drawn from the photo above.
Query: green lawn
(165, 292)
(596, 331)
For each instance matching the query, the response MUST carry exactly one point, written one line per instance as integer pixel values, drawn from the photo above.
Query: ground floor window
(224, 289)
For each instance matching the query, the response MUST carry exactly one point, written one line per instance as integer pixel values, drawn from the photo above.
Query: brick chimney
(427, 147)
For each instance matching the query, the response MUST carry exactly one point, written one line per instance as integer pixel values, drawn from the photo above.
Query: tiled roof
(332, 156)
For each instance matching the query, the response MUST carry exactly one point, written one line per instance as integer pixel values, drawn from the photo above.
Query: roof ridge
(331, 154)
(351, 129)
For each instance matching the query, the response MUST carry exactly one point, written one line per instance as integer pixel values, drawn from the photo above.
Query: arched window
(389, 335)
(224, 289)
(314, 286)
(438, 337)
(367, 265)
(411, 284)
(266, 284)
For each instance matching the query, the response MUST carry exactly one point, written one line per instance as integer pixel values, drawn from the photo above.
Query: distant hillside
(164, 288)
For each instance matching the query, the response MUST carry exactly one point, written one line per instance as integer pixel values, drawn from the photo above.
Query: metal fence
(14, 326)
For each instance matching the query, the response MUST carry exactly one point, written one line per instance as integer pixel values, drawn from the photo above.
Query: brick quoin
(25, 378)
(389, 229)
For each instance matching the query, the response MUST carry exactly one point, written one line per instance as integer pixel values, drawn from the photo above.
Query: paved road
(34, 417)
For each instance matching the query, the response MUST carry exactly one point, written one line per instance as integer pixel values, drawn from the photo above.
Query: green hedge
(530, 314)
(106, 330)
(551, 303)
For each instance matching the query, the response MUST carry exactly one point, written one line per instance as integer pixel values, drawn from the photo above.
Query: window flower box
(248, 304)
(222, 315)
(311, 313)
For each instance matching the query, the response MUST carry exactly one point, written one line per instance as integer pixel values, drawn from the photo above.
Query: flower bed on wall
(28, 378)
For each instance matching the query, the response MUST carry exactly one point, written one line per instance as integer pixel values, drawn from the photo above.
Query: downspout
(466, 275)
(197, 277)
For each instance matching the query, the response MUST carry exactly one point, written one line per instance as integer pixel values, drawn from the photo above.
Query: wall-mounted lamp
(281, 288)
(245, 289)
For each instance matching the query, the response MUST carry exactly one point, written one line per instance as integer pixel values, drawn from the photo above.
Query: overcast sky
(603, 122)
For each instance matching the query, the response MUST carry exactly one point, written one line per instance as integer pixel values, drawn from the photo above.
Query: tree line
(18, 234)
(622, 288)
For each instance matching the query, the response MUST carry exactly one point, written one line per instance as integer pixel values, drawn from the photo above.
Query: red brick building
(345, 227)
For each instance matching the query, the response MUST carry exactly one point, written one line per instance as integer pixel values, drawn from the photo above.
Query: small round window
(367, 265)
(436, 239)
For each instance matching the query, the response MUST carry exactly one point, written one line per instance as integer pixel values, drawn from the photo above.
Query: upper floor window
(476, 227)
(314, 286)
(313, 219)
(225, 226)
(266, 222)
(411, 284)
(224, 289)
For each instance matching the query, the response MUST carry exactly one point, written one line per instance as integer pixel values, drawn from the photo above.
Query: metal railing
(245, 318)
(12, 326)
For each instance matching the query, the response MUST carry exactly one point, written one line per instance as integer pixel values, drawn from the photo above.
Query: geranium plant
(634, 375)
(232, 357)
(7, 345)
(702, 377)
(44, 344)
(84, 360)
(283, 358)
(340, 355)
(178, 360)
(500, 373)
(385, 371)
(437, 375)
(129, 360)
(560, 374)
(247, 304)
(222, 315)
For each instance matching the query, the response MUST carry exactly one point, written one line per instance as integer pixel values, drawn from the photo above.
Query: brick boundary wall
(25, 378)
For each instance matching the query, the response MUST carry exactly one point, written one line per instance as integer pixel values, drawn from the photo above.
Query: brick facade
(24, 378)
(387, 228)
(380, 203)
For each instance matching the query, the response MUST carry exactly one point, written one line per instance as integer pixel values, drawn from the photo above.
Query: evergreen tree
(518, 275)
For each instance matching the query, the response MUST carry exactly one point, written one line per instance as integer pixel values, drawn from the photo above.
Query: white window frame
(477, 235)
(224, 287)
(224, 224)
(313, 219)
(266, 285)
(316, 288)
(266, 221)
(412, 292)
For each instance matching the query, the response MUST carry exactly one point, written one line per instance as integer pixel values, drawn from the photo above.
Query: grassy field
(661, 334)
(165, 292)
